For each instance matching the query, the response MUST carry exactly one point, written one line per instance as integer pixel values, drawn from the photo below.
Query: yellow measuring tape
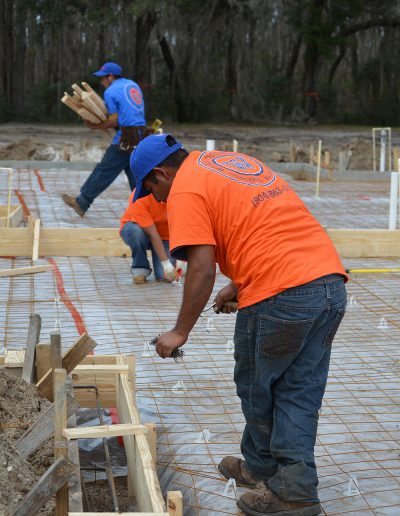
(356, 271)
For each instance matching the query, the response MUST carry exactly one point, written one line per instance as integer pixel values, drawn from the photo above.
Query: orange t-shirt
(265, 238)
(146, 211)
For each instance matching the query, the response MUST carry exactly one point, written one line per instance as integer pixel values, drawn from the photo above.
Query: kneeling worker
(144, 226)
(231, 209)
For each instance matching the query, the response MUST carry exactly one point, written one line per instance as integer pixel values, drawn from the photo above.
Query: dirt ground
(268, 143)
(20, 406)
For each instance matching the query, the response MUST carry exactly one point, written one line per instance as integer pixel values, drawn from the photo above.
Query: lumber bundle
(86, 103)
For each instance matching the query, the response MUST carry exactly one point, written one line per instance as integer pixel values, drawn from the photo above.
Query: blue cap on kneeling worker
(150, 153)
(109, 69)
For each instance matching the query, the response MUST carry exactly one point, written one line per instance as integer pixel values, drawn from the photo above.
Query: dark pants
(134, 236)
(282, 353)
(104, 173)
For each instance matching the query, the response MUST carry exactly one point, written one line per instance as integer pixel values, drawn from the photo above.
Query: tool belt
(132, 135)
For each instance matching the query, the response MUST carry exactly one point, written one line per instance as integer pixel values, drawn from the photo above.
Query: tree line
(262, 61)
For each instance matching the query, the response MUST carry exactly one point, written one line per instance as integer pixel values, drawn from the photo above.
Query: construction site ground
(193, 402)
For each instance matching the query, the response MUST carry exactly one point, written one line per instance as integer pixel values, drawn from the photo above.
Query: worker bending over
(231, 209)
(144, 226)
(124, 102)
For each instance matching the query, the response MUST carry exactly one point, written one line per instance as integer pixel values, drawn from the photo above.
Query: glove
(169, 271)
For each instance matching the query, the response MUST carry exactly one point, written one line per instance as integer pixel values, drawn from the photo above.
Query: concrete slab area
(193, 402)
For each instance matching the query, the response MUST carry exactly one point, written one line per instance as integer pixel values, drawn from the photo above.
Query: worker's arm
(156, 242)
(170, 272)
(200, 278)
(112, 121)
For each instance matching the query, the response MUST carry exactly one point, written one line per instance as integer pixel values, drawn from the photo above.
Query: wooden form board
(350, 243)
(82, 347)
(142, 475)
(15, 219)
(141, 453)
(20, 271)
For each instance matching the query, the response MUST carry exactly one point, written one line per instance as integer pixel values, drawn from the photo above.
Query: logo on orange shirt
(238, 167)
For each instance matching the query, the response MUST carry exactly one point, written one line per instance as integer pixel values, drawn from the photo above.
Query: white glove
(170, 271)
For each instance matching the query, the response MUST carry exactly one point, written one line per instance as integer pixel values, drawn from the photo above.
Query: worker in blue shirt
(124, 102)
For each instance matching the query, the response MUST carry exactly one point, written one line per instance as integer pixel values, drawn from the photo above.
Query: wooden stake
(55, 350)
(82, 347)
(28, 371)
(35, 242)
(42, 359)
(42, 429)
(52, 480)
(174, 503)
(293, 153)
(60, 442)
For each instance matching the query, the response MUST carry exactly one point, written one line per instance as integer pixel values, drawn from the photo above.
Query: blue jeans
(282, 353)
(104, 173)
(134, 236)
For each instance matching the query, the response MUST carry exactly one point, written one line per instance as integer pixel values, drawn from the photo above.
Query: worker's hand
(225, 300)
(90, 125)
(168, 342)
(171, 274)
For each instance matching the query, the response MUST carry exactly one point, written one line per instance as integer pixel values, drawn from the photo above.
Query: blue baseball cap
(109, 68)
(150, 152)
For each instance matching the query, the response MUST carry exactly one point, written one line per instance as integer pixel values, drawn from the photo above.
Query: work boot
(232, 467)
(139, 279)
(256, 504)
(140, 275)
(73, 203)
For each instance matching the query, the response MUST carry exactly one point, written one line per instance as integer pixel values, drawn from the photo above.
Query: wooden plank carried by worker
(82, 347)
(96, 98)
(52, 480)
(28, 371)
(20, 271)
(42, 429)
(142, 476)
(90, 104)
(77, 90)
(72, 102)
(87, 115)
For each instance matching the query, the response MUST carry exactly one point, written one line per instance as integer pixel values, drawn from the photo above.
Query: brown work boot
(73, 203)
(256, 504)
(232, 467)
(139, 280)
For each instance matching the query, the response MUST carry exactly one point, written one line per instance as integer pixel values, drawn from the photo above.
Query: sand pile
(20, 406)
(27, 149)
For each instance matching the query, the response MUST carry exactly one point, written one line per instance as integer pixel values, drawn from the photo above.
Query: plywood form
(350, 243)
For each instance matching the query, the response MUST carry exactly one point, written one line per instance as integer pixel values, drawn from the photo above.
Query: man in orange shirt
(231, 209)
(144, 226)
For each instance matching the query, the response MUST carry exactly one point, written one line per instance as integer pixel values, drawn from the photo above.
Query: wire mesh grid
(194, 403)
